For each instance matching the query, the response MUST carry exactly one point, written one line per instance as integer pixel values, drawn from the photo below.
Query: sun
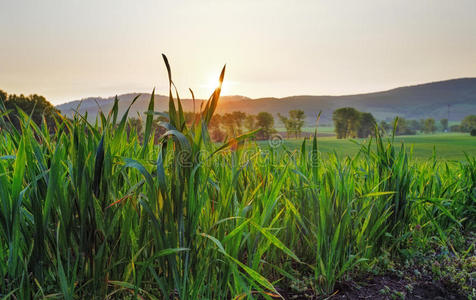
(213, 82)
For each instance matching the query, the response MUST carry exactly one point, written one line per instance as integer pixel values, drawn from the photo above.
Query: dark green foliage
(444, 124)
(346, 122)
(455, 128)
(294, 122)
(366, 125)
(429, 125)
(468, 123)
(416, 125)
(403, 127)
(265, 122)
(3, 96)
(98, 165)
(350, 123)
(36, 106)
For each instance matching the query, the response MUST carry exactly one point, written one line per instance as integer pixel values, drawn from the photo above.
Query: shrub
(455, 128)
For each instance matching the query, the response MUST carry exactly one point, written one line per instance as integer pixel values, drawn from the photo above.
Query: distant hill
(412, 102)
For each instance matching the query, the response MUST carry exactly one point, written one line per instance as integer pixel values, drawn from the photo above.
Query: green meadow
(446, 146)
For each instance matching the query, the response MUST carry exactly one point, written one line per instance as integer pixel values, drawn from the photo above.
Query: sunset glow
(67, 50)
(252, 149)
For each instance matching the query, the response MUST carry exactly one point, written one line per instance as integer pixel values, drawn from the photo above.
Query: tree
(468, 123)
(297, 116)
(294, 123)
(3, 121)
(429, 126)
(415, 125)
(287, 124)
(346, 122)
(233, 123)
(34, 105)
(250, 122)
(228, 124)
(455, 128)
(214, 128)
(239, 118)
(444, 124)
(473, 132)
(265, 121)
(422, 124)
(217, 135)
(3, 96)
(403, 127)
(366, 125)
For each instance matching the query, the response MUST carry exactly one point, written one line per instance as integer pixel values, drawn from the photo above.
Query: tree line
(221, 126)
(351, 123)
(348, 121)
(236, 123)
(429, 125)
(229, 124)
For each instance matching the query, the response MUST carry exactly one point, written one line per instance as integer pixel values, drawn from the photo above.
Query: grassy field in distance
(449, 146)
(310, 129)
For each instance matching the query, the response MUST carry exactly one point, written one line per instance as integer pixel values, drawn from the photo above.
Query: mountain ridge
(412, 101)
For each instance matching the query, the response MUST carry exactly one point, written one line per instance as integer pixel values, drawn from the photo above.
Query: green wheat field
(93, 210)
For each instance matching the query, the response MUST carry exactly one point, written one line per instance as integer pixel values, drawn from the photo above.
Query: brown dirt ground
(385, 287)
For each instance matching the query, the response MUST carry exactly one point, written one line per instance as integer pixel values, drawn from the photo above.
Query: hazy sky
(70, 49)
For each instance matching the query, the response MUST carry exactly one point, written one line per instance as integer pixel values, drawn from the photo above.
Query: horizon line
(277, 98)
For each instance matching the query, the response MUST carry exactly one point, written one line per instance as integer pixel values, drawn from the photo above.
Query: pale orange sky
(67, 50)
